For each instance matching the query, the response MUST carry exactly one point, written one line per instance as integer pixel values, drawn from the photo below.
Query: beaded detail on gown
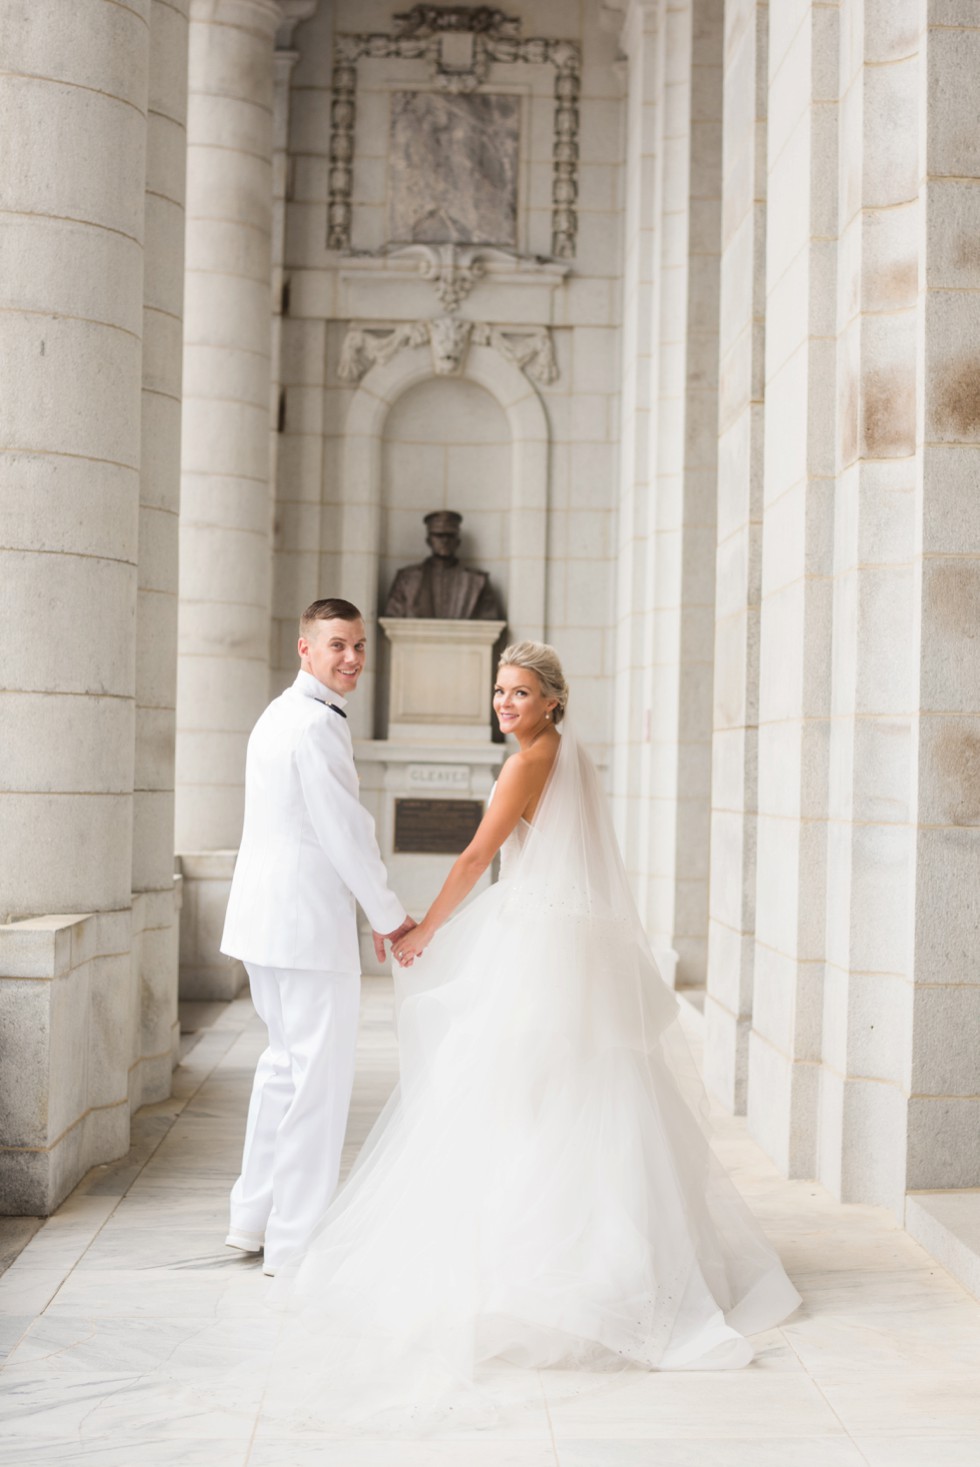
(538, 1189)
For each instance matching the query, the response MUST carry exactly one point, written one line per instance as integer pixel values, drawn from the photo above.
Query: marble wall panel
(453, 163)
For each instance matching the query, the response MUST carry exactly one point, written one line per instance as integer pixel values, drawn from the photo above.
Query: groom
(308, 854)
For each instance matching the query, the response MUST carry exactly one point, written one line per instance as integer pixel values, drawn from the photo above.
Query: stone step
(947, 1224)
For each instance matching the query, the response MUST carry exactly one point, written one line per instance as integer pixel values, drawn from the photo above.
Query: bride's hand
(411, 946)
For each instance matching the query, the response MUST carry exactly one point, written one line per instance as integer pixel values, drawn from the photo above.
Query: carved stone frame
(496, 41)
(360, 532)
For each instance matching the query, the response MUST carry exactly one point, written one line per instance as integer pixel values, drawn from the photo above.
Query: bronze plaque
(435, 827)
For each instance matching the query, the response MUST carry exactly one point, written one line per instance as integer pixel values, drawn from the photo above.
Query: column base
(726, 1055)
(782, 1107)
(88, 1011)
(205, 973)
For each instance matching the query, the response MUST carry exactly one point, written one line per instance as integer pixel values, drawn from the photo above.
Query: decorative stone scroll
(449, 338)
(454, 269)
(460, 43)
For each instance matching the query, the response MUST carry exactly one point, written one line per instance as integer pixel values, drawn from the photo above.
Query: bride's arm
(518, 784)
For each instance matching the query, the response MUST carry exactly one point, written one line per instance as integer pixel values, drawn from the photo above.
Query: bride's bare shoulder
(540, 756)
(527, 770)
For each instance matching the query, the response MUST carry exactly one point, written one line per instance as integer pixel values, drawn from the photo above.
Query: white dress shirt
(308, 850)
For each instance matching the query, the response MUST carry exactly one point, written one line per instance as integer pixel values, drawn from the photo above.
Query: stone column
(795, 630)
(226, 510)
(155, 908)
(741, 430)
(73, 117)
(661, 759)
(283, 62)
(294, 409)
(671, 564)
(642, 45)
(683, 544)
(943, 1137)
(867, 998)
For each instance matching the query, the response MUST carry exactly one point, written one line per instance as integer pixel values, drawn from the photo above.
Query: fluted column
(226, 513)
(73, 118)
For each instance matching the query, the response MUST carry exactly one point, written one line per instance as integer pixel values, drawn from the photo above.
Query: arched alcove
(446, 445)
(368, 552)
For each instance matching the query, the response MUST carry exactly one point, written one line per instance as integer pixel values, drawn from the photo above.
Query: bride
(536, 1190)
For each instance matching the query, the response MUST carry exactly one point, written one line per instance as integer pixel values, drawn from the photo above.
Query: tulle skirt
(538, 1188)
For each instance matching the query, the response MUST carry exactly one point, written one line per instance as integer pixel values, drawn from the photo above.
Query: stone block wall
(93, 96)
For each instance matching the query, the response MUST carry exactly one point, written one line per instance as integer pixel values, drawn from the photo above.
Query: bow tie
(331, 705)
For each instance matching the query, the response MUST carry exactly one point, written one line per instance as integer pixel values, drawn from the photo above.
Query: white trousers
(297, 1115)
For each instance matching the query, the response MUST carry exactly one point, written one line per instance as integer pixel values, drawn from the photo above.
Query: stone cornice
(453, 270)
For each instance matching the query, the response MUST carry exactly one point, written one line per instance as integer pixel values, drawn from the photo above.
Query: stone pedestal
(441, 675)
(439, 747)
(392, 770)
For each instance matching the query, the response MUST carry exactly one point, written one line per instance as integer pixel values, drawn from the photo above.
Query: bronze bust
(440, 587)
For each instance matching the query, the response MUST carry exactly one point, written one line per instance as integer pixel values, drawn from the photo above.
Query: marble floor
(115, 1311)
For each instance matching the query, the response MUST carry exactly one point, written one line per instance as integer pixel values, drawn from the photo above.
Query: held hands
(411, 946)
(380, 938)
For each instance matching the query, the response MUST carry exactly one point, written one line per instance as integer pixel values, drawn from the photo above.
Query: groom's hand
(381, 937)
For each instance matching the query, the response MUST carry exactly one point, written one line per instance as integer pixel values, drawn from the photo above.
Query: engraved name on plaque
(438, 776)
(435, 827)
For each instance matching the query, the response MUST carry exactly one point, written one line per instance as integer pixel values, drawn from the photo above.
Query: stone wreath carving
(449, 337)
(460, 44)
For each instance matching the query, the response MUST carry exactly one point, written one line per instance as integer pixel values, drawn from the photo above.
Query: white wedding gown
(536, 1189)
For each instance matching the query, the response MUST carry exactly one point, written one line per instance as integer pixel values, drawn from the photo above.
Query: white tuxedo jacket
(308, 848)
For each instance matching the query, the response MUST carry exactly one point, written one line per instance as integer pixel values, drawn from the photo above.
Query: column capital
(283, 63)
(629, 19)
(291, 13)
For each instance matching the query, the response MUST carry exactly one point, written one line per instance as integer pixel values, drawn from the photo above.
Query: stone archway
(361, 487)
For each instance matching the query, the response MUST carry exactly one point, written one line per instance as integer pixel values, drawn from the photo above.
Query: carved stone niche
(459, 45)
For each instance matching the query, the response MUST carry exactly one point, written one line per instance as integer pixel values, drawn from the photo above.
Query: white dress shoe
(247, 1242)
(268, 1270)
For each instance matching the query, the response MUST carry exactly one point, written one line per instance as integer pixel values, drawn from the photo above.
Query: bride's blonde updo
(542, 660)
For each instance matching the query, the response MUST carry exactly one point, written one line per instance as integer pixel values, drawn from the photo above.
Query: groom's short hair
(331, 608)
